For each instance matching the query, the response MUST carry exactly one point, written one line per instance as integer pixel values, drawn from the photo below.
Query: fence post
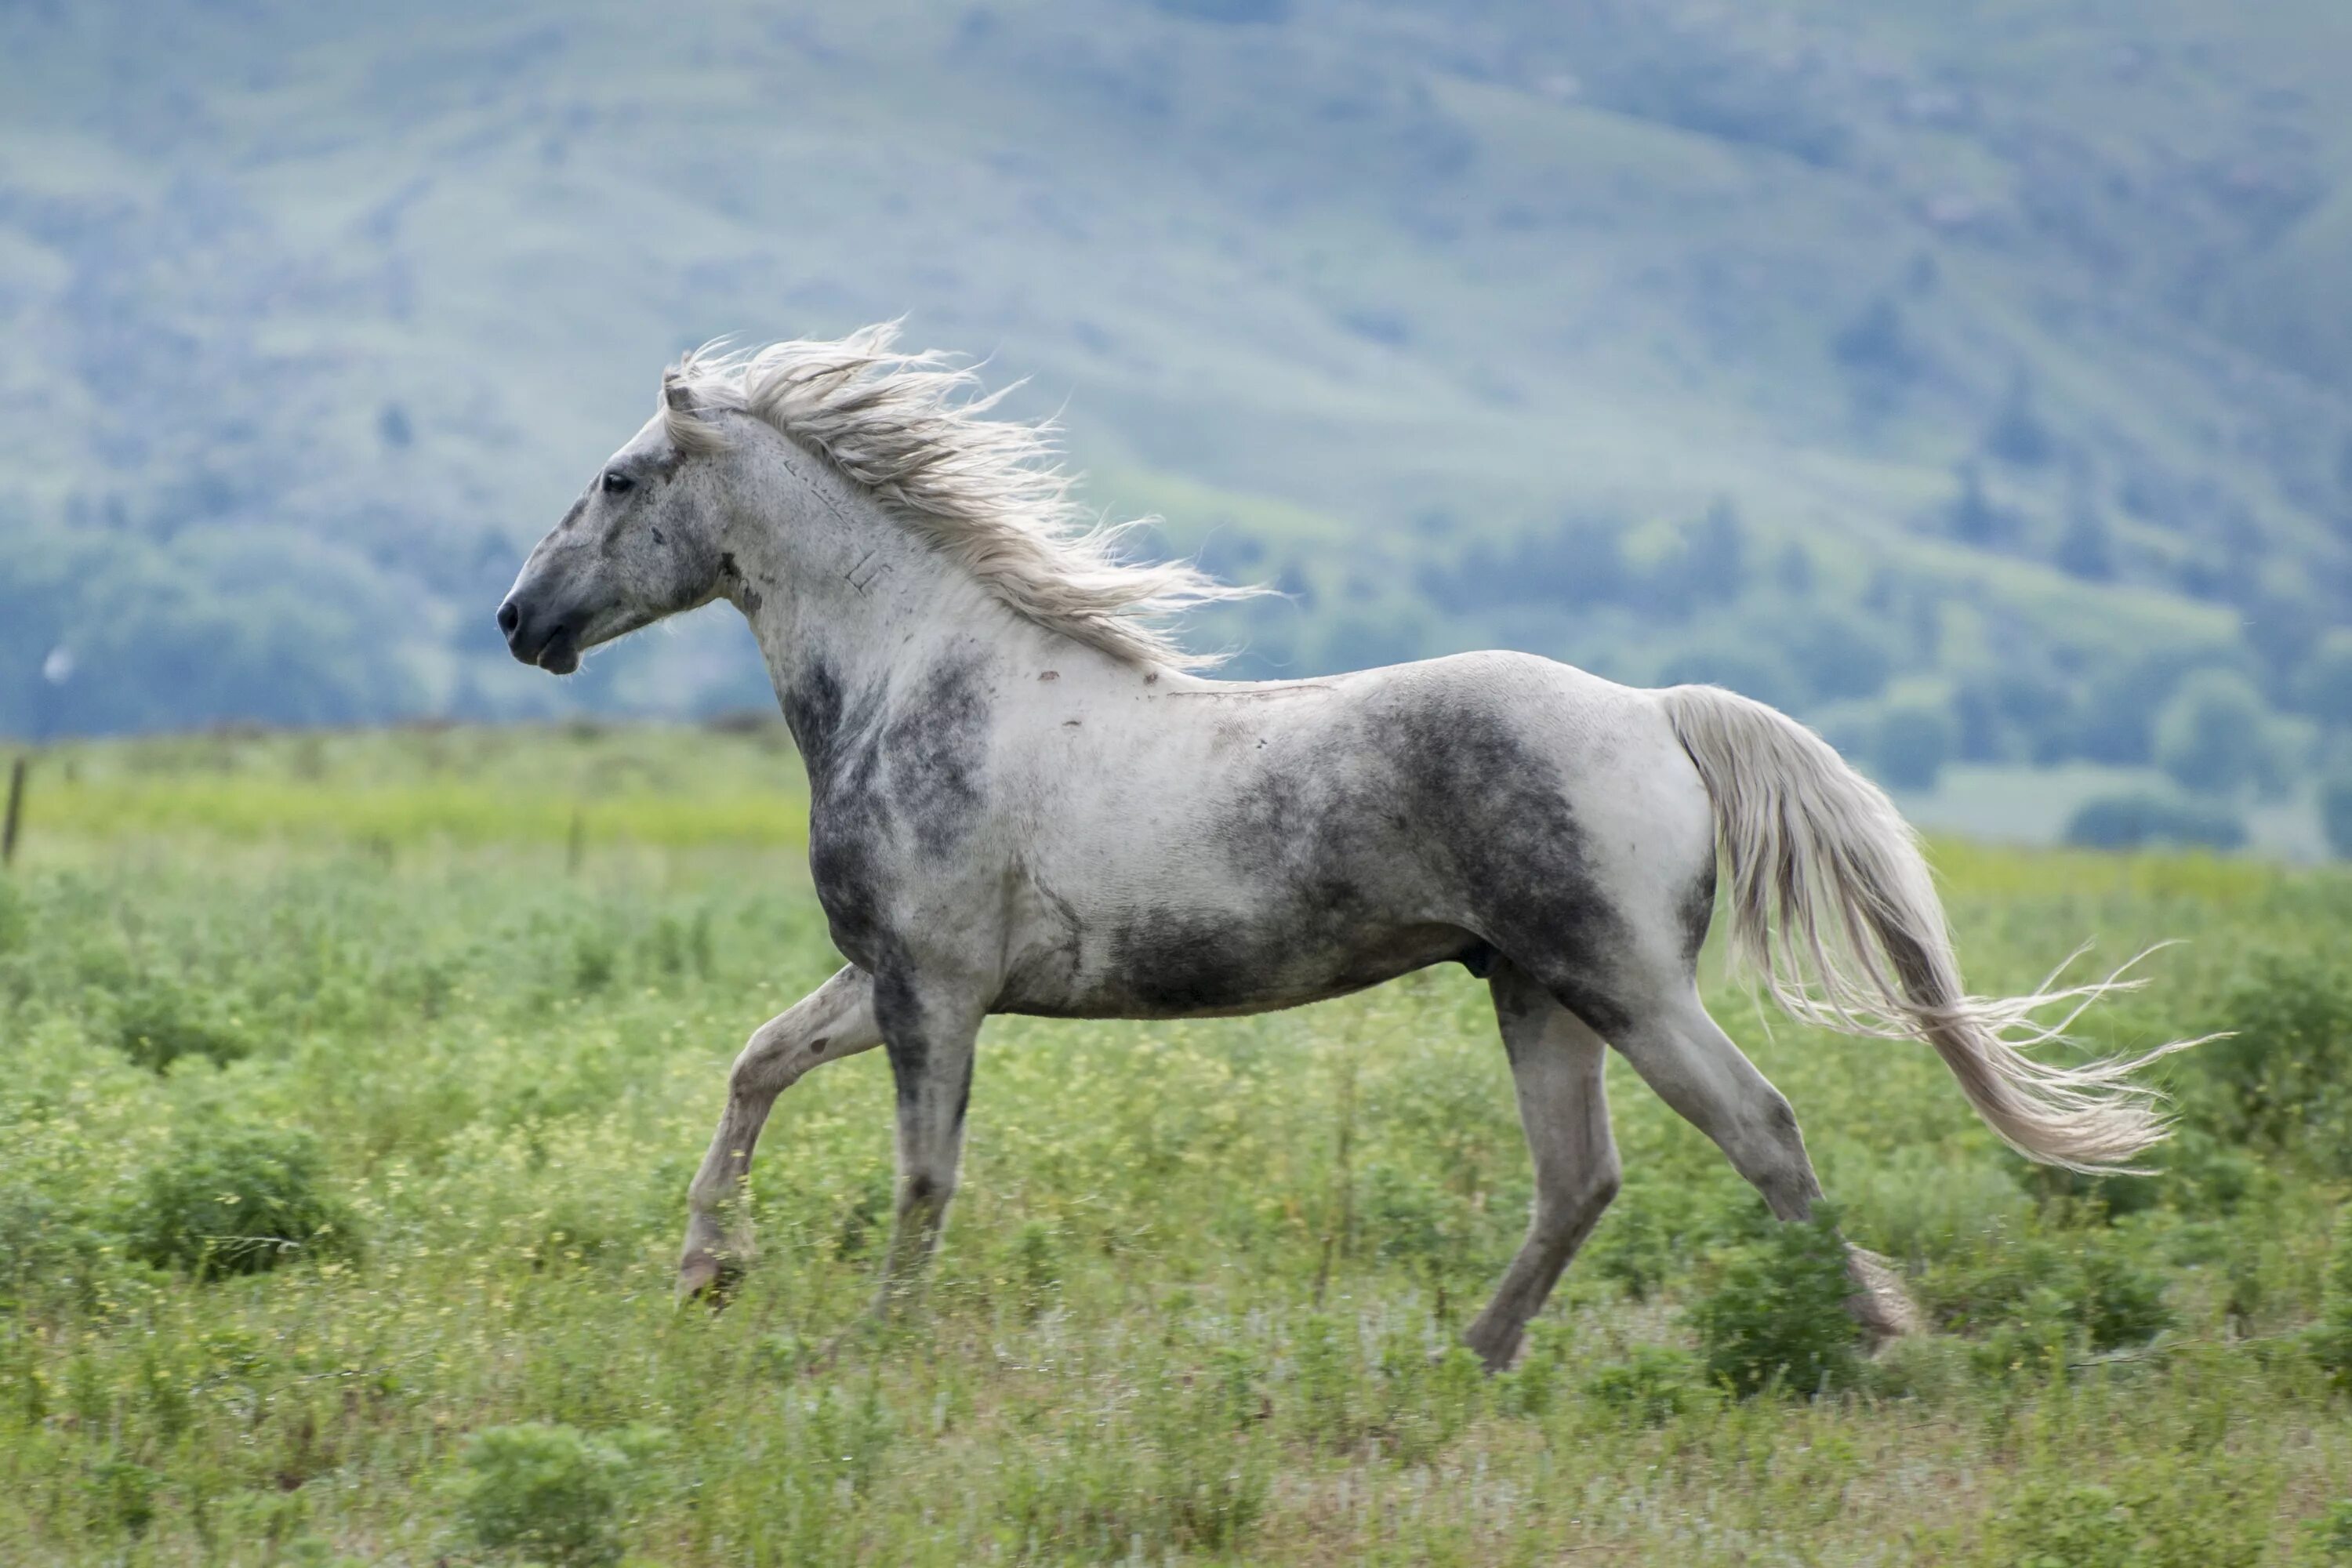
(16, 813)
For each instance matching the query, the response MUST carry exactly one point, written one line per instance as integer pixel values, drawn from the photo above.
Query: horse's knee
(756, 1057)
(772, 1060)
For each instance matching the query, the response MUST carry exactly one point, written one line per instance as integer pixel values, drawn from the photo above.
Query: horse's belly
(1172, 963)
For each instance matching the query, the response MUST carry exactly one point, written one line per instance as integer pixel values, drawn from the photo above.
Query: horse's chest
(875, 863)
(855, 877)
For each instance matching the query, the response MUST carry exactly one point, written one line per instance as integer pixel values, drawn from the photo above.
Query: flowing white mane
(989, 493)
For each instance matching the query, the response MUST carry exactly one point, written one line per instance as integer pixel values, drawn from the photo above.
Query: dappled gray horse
(1022, 799)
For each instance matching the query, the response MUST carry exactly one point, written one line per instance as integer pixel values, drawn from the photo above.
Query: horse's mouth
(561, 656)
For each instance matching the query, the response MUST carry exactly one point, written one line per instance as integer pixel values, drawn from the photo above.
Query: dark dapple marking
(1518, 851)
(877, 781)
(936, 746)
(1698, 913)
(837, 746)
(898, 1008)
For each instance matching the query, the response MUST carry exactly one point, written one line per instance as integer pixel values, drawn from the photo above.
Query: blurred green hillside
(1972, 378)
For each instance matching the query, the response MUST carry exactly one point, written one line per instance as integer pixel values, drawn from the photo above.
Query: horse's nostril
(510, 617)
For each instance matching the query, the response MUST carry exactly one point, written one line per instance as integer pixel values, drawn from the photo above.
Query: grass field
(436, 1023)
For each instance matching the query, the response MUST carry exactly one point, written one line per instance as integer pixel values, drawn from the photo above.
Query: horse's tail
(1828, 882)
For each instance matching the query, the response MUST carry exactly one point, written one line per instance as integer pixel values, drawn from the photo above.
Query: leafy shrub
(1653, 1385)
(1413, 1219)
(546, 1489)
(2113, 1194)
(2204, 1173)
(1777, 1314)
(1926, 1367)
(2040, 1334)
(157, 1024)
(2194, 1511)
(2123, 1303)
(1528, 1388)
(1918, 1203)
(2332, 1339)
(53, 1236)
(2130, 820)
(2331, 1533)
(2065, 1525)
(122, 1496)
(2284, 1076)
(595, 959)
(1647, 1240)
(674, 947)
(2033, 1300)
(236, 1200)
(1325, 1379)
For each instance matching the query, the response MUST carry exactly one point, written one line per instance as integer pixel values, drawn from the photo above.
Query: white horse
(1022, 799)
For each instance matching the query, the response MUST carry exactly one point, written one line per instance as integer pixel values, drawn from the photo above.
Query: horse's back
(1264, 844)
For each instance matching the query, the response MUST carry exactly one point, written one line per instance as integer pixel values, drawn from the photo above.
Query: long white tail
(1833, 907)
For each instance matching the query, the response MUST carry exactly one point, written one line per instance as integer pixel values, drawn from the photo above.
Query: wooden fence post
(16, 813)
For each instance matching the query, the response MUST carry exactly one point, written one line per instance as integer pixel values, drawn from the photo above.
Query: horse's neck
(852, 611)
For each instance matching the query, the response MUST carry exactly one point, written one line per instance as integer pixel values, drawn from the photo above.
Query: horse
(1025, 798)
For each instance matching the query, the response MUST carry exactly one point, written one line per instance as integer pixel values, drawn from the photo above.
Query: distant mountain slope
(1980, 368)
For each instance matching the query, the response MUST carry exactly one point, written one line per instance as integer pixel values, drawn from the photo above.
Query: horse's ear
(676, 393)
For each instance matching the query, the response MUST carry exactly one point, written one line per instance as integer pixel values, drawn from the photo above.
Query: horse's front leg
(836, 1020)
(931, 1033)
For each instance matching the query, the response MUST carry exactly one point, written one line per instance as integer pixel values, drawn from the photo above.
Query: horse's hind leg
(1682, 1054)
(1556, 1063)
(836, 1020)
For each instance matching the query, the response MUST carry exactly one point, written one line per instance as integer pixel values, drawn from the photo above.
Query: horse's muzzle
(536, 638)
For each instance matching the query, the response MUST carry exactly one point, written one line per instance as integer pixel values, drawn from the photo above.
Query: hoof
(1495, 1352)
(708, 1279)
(1880, 1304)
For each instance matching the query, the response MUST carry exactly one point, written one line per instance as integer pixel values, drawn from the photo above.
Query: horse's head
(642, 544)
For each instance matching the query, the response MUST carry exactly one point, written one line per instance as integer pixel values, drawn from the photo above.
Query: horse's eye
(616, 482)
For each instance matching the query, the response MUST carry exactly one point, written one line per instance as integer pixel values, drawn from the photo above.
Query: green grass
(1195, 1296)
(735, 785)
